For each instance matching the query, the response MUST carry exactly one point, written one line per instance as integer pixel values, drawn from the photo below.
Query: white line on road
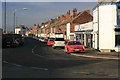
(12, 64)
(36, 54)
(95, 57)
(17, 65)
(5, 61)
(40, 68)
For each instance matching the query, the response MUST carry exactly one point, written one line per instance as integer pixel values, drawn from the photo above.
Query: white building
(70, 35)
(84, 33)
(106, 29)
(20, 29)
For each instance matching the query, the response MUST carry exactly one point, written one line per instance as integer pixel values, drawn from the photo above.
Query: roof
(21, 26)
(82, 17)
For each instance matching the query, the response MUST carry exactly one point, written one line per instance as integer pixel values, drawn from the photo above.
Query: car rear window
(59, 39)
(74, 43)
(51, 40)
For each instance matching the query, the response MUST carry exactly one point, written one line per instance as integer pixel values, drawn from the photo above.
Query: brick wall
(85, 17)
(71, 27)
(68, 15)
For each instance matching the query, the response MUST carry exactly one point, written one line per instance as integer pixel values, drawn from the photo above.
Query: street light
(5, 17)
(14, 14)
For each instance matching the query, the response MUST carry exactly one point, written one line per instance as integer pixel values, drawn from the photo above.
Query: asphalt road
(37, 60)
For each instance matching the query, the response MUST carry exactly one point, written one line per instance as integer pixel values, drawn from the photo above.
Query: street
(37, 60)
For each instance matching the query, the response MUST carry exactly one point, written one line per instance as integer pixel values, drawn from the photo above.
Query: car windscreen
(74, 43)
(59, 39)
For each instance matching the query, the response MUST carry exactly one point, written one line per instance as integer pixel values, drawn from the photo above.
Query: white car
(58, 42)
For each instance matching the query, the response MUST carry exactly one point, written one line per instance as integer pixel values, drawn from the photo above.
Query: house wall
(83, 35)
(86, 26)
(95, 28)
(70, 35)
(17, 30)
(68, 30)
(106, 26)
(104, 21)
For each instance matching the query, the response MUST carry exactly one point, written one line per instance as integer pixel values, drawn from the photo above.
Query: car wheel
(67, 51)
(54, 47)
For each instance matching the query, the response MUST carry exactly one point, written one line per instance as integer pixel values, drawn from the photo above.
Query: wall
(68, 30)
(95, 28)
(107, 21)
(17, 30)
(86, 26)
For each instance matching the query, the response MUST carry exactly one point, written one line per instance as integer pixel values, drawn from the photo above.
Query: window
(118, 15)
(59, 39)
(117, 40)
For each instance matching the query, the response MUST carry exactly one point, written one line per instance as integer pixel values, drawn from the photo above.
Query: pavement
(92, 53)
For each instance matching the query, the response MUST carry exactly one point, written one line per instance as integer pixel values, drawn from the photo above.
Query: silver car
(58, 42)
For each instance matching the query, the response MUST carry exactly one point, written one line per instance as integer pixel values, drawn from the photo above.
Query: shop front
(85, 37)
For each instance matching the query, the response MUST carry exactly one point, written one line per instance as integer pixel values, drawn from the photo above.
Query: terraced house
(66, 24)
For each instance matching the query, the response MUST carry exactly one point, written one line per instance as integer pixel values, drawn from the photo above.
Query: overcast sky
(39, 12)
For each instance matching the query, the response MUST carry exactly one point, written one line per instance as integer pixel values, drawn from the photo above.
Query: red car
(50, 42)
(73, 46)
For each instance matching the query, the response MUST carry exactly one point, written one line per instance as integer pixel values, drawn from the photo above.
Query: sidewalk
(92, 53)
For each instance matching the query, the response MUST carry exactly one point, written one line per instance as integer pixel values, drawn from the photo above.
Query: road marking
(40, 55)
(96, 57)
(5, 61)
(82, 72)
(36, 54)
(17, 65)
(40, 68)
(12, 64)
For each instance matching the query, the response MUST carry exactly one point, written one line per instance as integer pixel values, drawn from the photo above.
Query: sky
(39, 12)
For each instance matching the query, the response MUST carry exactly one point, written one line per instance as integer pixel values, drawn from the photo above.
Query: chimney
(62, 17)
(88, 11)
(74, 12)
(68, 15)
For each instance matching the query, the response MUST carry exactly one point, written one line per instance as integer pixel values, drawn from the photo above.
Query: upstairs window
(117, 40)
(118, 13)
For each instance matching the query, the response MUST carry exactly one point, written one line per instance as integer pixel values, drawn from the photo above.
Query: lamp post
(14, 15)
(4, 17)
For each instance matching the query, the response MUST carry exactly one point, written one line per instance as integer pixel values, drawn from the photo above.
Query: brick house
(64, 24)
(83, 28)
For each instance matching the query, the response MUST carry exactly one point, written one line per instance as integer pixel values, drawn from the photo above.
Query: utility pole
(5, 17)
(14, 22)
(14, 17)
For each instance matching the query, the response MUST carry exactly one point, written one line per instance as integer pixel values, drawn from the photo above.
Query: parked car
(50, 42)
(42, 39)
(58, 42)
(20, 40)
(9, 42)
(12, 40)
(73, 46)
